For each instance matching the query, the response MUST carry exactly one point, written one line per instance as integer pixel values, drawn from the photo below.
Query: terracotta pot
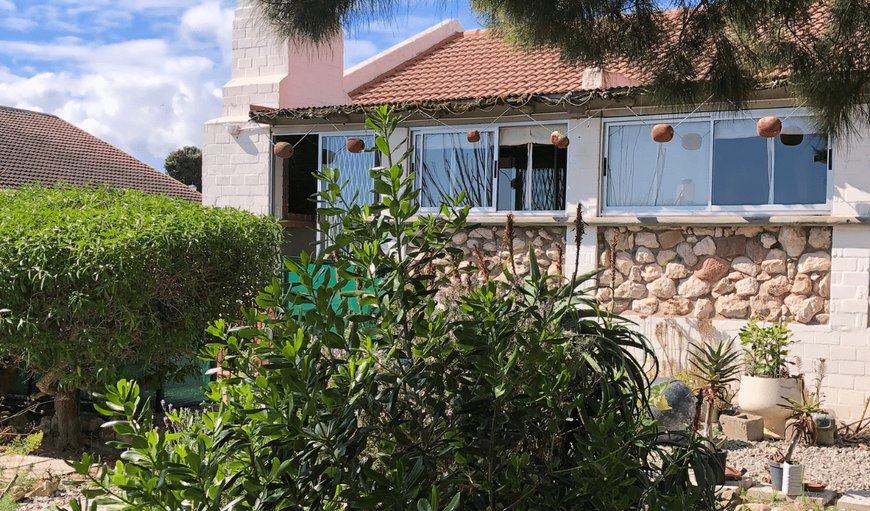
(355, 145)
(662, 133)
(283, 150)
(473, 136)
(769, 127)
(763, 396)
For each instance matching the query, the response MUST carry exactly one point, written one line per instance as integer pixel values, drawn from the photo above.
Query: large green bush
(94, 279)
(366, 386)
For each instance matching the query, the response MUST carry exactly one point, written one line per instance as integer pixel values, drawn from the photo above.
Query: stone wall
(717, 272)
(484, 247)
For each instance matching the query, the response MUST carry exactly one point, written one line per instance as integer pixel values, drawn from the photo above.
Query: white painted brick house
(715, 226)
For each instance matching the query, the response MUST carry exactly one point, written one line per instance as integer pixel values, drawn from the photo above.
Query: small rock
(46, 488)
(814, 261)
(746, 287)
(694, 287)
(665, 256)
(793, 240)
(803, 285)
(745, 265)
(712, 268)
(624, 263)
(687, 254)
(774, 263)
(820, 237)
(482, 233)
(730, 246)
(663, 288)
(704, 309)
(755, 251)
(606, 278)
(768, 240)
(676, 271)
(676, 306)
(635, 275)
(767, 308)
(823, 286)
(670, 239)
(748, 231)
(630, 289)
(459, 238)
(777, 286)
(646, 239)
(705, 247)
(723, 287)
(651, 272)
(604, 294)
(807, 309)
(732, 306)
(645, 307)
(644, 256)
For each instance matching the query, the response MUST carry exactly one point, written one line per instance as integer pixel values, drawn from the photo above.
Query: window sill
(726, 220)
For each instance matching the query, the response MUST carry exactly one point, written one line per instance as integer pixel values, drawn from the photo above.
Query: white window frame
(495, 129)
(710, 209)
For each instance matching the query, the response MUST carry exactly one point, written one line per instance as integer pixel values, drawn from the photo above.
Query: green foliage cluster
(687, 51)
(765, 348)
(92, 279)
(185, 165)
(363, 387)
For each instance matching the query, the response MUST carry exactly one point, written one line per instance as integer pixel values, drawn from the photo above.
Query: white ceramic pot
(763, 396)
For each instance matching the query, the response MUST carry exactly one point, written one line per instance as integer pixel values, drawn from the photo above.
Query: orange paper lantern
(473, 136)
(662, 133)
(355, 145)
(559, 139)
(283, 150)
(769, 127)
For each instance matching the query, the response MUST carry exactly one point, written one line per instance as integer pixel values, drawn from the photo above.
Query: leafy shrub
(765, 348)
(185, 165)
(93, 279)
(359, 388)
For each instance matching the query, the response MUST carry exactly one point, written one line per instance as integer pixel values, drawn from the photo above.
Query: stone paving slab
(855, 500)
(765, 492)
(35, 466)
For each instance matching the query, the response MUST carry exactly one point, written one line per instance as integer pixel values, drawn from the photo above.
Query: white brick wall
(235, 170)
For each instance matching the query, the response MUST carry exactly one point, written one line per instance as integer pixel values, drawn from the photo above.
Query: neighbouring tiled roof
(37, 147)
(472, 65)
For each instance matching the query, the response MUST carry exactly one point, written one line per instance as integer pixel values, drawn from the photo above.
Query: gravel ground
(843, 467)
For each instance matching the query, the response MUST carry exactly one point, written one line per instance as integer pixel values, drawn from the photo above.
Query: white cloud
(146, 96)
(7, 5)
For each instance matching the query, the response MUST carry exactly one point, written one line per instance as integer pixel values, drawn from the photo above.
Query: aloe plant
(717, 365)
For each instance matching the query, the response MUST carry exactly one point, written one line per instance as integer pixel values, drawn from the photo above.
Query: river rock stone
(793, 240)
(651, 272)
(665, 256)
(814, 261)
(704, 309)
(645, 307)
(663, 288)
(768, 240)
(630, 289)
(774, 263)
(730, 246)
(820, 237)
(732, 306)
(806, 310)
(745, 265)
(646, 239)
(676, 271)
(746, 287)
(670, 239)
(705, 247)
(767, 308)
(644, 256)
(676, 306)
(693, 287)
(712, 268)
(776, 286)
(687, 254)
(802, 285)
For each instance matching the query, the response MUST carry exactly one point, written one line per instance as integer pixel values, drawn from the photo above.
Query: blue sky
(145, 74)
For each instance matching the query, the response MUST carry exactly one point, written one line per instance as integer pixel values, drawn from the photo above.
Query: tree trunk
(66, 419)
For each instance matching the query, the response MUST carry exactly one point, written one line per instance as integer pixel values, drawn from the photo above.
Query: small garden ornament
(769, 127)
(662, 133)
(473, 136)
(283, 150)
(355, 145)
(560, 140)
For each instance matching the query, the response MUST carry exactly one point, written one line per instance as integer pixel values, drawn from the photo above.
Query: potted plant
(786, 473)
(809, 420)
(716, 367)
(766, 385)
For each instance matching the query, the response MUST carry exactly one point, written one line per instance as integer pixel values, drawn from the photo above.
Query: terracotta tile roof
(472, 65)
(37, 147)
